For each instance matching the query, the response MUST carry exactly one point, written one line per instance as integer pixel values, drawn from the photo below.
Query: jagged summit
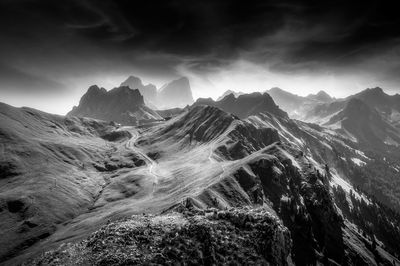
(133, 82)
(176, 93)
(94, 89)
(245, 104)
(229, 98)
(230, 136)
(228, 92)
(121, 104)
(93, 94)
(376, 91)
(370, 93)
(148, 91)
(200, 123)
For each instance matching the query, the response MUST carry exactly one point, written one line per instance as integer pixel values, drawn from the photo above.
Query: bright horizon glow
(241, 76)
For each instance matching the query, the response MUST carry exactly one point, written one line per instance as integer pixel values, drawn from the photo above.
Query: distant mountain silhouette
(245, 105)
(226, 93)
(297, 105)
(365, 124)
(122, 105)
(177, 93)
(387, 105)
(148, 91)
(321, 96)
(378, 99)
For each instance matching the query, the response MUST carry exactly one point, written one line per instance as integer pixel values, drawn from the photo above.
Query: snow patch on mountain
(358, 162)
(337, 180)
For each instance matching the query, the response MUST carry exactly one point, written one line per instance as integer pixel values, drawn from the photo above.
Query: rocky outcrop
(122, 105)
(209, 237)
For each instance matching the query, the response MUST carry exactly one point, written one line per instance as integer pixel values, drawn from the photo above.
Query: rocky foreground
(184, 236)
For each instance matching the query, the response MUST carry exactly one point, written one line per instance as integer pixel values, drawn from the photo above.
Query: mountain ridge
(244, 105)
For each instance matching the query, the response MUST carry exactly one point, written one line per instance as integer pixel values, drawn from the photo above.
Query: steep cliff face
(123, 105)
(177, 93)
(174, 94)
(346, 170)
(148, 91)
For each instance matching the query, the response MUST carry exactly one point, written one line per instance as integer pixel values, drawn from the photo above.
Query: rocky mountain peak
(133, 82)
(228, 92)
(276, 89)
(323, 96)
(121, 104)
(229, 97)
(320, 96)
(93, 94)
(148, 91)
(371, 94)
(376, 90)
(176, 93)
(126, 95)
(245, 104)
(94, 89)
(177, 85)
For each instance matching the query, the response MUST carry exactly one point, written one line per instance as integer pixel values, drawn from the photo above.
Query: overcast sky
(52, 51)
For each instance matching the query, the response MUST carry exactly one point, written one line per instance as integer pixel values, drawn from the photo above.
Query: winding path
(131, 144)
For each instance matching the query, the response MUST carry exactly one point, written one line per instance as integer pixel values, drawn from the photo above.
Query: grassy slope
(47, 173)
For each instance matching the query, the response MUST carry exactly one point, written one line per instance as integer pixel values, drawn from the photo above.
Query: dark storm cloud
(202, 35)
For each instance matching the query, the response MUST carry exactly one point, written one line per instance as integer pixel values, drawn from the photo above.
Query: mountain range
(371, 117)
(244, 105)
(236, 180)
(176, 93)
(122, 105)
